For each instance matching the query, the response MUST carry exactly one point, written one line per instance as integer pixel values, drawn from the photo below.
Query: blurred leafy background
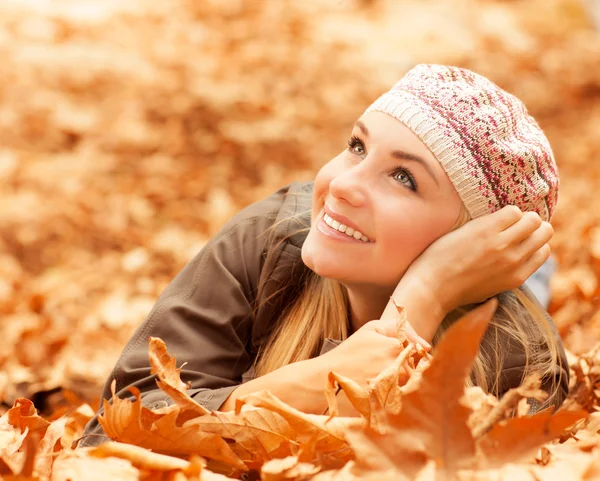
(130, 131)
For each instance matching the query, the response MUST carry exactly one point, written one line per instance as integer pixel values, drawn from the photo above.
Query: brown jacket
(206, 318)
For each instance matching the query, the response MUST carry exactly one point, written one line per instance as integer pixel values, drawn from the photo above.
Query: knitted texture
(493, 151)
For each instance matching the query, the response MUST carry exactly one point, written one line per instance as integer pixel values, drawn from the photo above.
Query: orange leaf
(518, 438)
(79, 466)
(45, 449)
(24, 415)
(131, 422)
(329, 433)
(433, 422)
(169, 379)
(141, 458)
(259, 434)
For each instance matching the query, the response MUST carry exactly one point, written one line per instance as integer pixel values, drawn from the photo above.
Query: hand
(486, 256)
(368, 351)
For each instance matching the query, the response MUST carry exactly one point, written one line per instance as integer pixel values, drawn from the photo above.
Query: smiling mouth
(349, 231)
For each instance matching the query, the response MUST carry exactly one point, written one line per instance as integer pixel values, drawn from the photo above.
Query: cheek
(403, 241)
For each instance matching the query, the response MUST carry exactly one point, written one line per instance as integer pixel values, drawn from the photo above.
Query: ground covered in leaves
(129, 133)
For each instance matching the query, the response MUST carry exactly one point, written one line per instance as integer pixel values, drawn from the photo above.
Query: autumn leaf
(288, 469)
(517, 439)
(327, 433)
(256, 435)
(24, 415)
(45, 450)
(139, 457)
(357, 395)
(79, 466)
(433, 422)
(130, 422)
(170, 380)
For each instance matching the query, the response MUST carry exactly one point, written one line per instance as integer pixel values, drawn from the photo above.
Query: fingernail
(424, 343)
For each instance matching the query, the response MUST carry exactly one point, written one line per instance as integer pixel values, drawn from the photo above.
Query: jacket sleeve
(204, 316)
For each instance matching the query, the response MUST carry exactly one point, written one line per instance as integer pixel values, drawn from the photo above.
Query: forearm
(300, 384)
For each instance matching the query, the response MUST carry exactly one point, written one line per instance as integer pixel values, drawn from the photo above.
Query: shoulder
(270, 233)
(279, 214)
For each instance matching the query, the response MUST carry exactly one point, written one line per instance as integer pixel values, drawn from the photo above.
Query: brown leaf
(169, 379)
(131, 422)
(288, 469)
(356, 394)
(530, 388)
(384, 390)
(79, 466)
(329, 432)
(433, 422)
(76, 422)
(11, 437)
(259, 434)
(141, 458)
(45, 450)
(518, 438)
(24, 415)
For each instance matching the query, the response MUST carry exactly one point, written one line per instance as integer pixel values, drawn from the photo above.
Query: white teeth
(349, 231)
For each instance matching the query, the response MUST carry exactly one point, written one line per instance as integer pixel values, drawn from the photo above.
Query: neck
(367, 303)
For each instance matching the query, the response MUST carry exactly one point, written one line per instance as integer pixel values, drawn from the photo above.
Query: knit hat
(493, 151)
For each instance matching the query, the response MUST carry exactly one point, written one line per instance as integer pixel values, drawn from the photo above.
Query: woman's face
(390, 188)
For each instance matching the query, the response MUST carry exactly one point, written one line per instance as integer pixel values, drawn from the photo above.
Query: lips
(349, 231)
(344, 224)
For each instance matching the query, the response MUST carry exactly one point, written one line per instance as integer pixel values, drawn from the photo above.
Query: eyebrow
(402, 155)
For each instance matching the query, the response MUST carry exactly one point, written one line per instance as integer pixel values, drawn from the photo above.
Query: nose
(350, 186)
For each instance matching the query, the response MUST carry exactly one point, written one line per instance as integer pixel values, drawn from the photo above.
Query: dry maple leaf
(288, 469)
(518, 438)
(131, 422)
(327, 433)
(433, 422)
(11, 440)
(24, 415)
(255, 435)
(76, 422)
(357, 395)
(169, 379)
(45, 449)
(80, 466)
(141, 458)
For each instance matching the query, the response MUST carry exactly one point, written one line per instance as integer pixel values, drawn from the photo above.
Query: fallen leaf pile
(431, 428)
(131, 131)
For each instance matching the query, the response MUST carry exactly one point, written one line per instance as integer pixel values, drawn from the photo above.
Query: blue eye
(403, 176)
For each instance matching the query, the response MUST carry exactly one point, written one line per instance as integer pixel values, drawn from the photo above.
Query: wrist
(424, 305)
(429, 286)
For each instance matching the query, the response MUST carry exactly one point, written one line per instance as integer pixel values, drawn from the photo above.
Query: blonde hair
(320, 311)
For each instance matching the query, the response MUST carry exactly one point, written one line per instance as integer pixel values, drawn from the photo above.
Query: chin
(322, 264)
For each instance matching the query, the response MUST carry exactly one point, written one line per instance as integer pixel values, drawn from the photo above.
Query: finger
(534, 263)
(529, 246)
(520, 230)
(386, 328)
(505, 217)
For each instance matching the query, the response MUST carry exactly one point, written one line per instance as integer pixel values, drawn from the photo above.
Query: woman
(441, 200)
